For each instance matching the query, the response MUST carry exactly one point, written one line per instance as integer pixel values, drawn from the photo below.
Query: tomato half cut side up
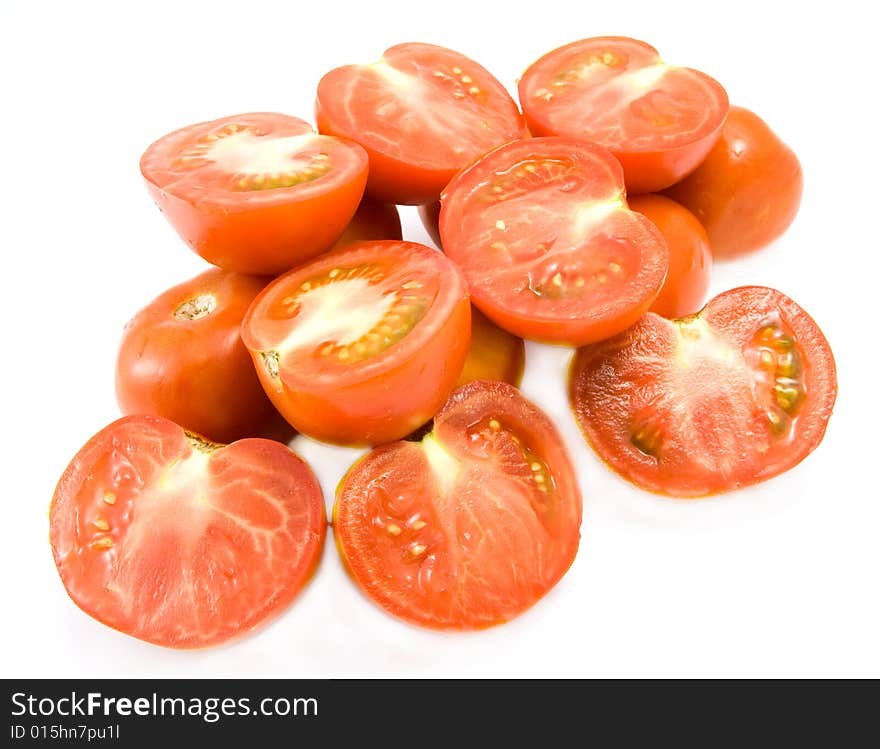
(181, 542)
(422, 112)
(547, 243)
(736, 394)
(255, 193)
(363, 344)
(659, 120)
(469, 527)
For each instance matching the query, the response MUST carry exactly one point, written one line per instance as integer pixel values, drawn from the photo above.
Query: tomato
(422, 112)
(255, 193)
(182, 542)
(363, 344)
(748, 190)
(690, 257)
(549, 248)
(373, 220)
(494, 354)
(430, 216)
(470, 526)
(182, 358)
(658, 120)
(709, 403)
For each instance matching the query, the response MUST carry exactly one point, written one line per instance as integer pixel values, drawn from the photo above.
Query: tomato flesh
(549, 247)
(470, 526)
(709, 403)
(182, 542)
(255, 193)
(422, 112)
(363, 344)
(659, 120)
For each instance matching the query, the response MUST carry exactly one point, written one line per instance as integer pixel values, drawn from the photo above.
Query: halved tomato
(255, 193)
(363, 344)
(705, 404)
(470, 526)
(181, 542)
(549, 248)
(494, 354)
(422, 112)
(659, 120)
(372, 220)
(182, 358)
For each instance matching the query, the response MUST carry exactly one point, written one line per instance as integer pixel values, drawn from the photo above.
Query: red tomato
(182, 542)
(422, 113)
(182, 358)
(704, 404)
(430, 216)
(255, 193)
(373, 220)
(690, 258)
(658, 120)
(470, 526)
(549, 248)
(748, 190)
(494, 354)
(363, 344)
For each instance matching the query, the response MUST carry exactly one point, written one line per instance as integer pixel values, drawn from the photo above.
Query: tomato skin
(386, 399)
(454, 561)
(181, 575)
(690, 257)
(197, 372)
(648, 166)
(748, 189)
(241, 232)
(429, 213)
(683, 407)
(494, 354)
(373, 220)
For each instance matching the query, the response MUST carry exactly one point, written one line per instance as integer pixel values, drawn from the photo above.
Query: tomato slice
(659, 120)
(182, 542)
(549, 248)
(709, 403)
(470, 526)
(363, 344)
(494, 354)
(255, 193)
(372, 220)
(422, 112)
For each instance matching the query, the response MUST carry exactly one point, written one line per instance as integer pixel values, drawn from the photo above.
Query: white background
(780, 579)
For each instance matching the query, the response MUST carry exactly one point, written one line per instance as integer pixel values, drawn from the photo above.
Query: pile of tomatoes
(589, 219)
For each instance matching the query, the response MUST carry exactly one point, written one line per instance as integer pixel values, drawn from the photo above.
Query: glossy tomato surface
(255, 193)
(470, 526)
(182, 357)
(181, 542)
(659, 120)
(709, 403)
(690, 257)
(372, 220)
(494, 354)
(551, 251)
(748, 190)
(422, 112)
(363, 344)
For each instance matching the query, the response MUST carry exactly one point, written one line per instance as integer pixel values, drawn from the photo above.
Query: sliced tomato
(494, 354)
(709, 403)
(182, 542)
(363, 344)
(372, 220)
(255, 193)
(422, 112)
(748, 189)
(690, 257)
(470, 526)
(659, 120)
(549, 248)
(182, 357)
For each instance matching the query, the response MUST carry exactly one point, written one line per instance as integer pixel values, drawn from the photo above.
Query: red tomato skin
(690, 257)
(494, 354)
(748, 190)
(197, 373)
(429, 213)
(167, 438)
(372, 220)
